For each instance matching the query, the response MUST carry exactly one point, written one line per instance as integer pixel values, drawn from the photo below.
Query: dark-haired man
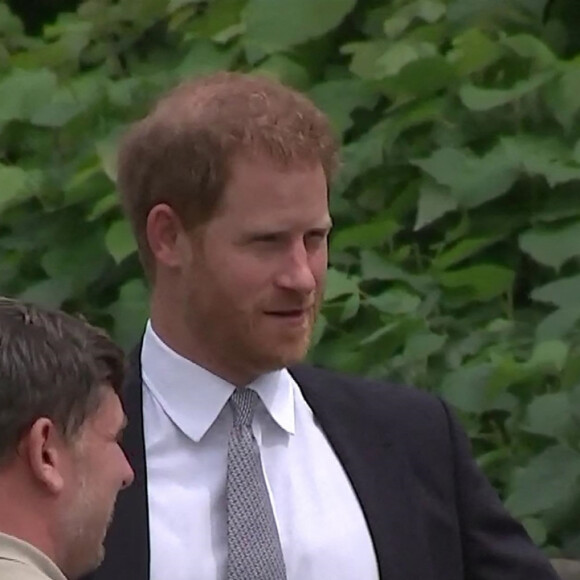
(61, 466)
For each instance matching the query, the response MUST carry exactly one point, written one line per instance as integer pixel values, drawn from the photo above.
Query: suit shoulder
(380, 394)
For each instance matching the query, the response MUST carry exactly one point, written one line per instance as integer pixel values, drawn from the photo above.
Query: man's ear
(45, 450)
(166, 236)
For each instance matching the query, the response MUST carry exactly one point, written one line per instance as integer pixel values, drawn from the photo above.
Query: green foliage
(455, 258)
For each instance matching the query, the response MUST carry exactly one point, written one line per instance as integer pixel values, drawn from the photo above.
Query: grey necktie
(253, 542)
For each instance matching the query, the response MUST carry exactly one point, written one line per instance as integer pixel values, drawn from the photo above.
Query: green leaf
(400, 54)
(361, 155)
(107, 152)
(175, 5)
(486, 281)
(424, 76)
(121, 92)
(103, 205)
(365, 57)
(380, 333)
(120, 241)
(276, 26)
(367, 235)
(351, 307)
(411, 114)
(16, 185)
(426, 10)
(285, 70)
(465, 388)
(318, 331)
(540, 156)
(434, 202)
(562, 96)
(532, 48)
(58, 110)
(220, 20)
(83, 261)
(10, 24)
(549, 415)
(471, 180)
(473, 51)
(205, 57)
(563, 292)
(550, 478)
(462, 250)
(50, 293)
(339, 284)
(130, 313)
(395, 302)
(549, 355)
(24, 92)
(340, 98)
(552, 247)
(558, 323)
(536, 529)
(485, 99)
(376, 267)
(421, 346)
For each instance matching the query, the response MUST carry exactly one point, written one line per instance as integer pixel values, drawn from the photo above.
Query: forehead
(109, 415)
(259, 188)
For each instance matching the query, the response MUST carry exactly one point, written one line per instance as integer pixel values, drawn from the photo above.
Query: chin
(291, 356)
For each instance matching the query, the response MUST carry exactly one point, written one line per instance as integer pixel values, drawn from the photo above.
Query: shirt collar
(193, 397)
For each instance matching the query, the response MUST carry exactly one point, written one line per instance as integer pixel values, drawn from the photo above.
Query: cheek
(318, 266)
(249, 279)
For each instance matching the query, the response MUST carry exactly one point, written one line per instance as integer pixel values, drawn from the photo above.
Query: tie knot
(243, 403)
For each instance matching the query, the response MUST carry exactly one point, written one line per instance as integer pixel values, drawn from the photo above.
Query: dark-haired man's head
(61, 465)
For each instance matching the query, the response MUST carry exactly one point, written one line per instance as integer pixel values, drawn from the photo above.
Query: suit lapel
(377, 469)
(127, 543)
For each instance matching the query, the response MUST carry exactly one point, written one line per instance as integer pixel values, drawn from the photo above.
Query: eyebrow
(325, 226)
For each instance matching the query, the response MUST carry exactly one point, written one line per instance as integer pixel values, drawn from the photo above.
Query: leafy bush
(455, 254)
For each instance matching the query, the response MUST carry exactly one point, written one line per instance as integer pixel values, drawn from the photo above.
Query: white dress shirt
(187, 422)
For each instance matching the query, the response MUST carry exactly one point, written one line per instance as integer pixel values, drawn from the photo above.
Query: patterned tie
(254, 546)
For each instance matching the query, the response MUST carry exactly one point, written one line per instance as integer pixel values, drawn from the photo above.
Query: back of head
(59, 378)
(181, 153)
(51, 365)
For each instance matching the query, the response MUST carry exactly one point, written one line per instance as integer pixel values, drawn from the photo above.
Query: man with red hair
(250, 465)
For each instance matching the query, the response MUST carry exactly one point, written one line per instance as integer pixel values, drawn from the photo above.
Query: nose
(297, 274)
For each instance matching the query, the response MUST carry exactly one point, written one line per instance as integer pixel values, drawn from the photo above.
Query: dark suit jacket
(431, 514)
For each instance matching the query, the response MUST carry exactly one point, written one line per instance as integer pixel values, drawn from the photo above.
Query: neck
(171, 326)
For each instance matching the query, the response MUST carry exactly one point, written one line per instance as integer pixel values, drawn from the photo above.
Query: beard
(246, 340)
(84, 527)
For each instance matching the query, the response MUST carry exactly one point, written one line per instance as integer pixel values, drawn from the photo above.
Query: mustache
(295, 302)
(291, 307)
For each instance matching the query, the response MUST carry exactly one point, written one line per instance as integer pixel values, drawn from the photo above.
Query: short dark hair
(181, 153)
(52, 365)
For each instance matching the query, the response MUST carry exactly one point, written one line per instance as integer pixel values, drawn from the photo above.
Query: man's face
(255, 274)
(100, 470)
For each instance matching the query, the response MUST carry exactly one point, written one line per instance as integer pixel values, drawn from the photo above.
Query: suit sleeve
(495, 546)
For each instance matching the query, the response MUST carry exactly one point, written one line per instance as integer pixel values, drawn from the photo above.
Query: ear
(47, 453)
(166, 236)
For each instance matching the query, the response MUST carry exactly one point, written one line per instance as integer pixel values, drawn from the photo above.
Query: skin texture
(58, 494)
(239, 295)
(98, 470)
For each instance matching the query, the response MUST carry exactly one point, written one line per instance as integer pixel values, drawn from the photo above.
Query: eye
(317, 236)
(268, 238)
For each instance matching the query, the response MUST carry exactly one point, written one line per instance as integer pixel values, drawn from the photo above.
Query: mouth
(290, 315)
